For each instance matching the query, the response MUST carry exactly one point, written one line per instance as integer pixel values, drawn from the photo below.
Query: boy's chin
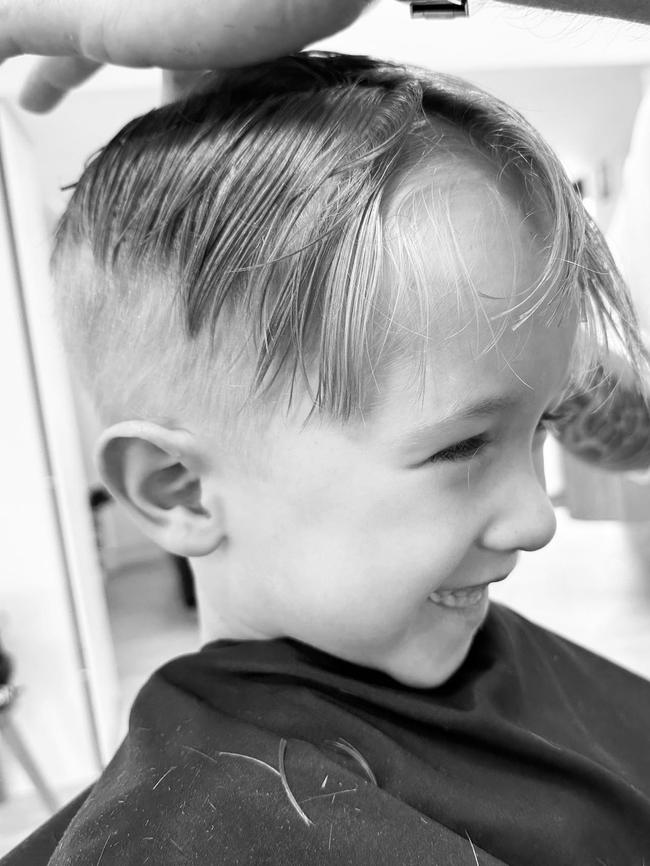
(427, 673)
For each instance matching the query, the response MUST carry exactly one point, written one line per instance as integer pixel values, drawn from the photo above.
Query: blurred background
(88, 606)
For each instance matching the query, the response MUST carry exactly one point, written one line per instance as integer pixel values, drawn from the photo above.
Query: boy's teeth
(458, 597)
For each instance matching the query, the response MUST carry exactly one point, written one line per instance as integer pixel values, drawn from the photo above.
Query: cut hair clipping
(438, 8)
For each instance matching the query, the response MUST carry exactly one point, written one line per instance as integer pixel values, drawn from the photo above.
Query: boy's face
(376, 542)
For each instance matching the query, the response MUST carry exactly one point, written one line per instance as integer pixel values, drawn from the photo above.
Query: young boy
(327, 309)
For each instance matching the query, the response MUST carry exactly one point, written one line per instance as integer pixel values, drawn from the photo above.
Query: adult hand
(82, 35)
(189, 35)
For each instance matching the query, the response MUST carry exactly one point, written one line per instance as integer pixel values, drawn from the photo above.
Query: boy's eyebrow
(487, 406)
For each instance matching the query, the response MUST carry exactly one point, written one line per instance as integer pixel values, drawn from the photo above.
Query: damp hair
(230, 247)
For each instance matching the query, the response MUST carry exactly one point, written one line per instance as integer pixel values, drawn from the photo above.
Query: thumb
(51, 78)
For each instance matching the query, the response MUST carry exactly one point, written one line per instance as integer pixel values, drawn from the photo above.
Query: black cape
(535, 753)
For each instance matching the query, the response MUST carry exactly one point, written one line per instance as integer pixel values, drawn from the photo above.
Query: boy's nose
(523, 517)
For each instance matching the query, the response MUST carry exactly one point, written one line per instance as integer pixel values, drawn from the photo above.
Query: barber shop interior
(90, 604)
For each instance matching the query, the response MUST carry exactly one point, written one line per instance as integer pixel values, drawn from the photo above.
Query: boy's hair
(235, 241)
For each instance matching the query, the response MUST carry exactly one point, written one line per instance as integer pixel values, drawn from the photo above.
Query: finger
(176, 83)
(51, 78)
(195, 34)
(39, 27)
(240, 32)
(212, 34)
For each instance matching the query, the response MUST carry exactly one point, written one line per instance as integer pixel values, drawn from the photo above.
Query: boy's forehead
(465, 260)
(523, 374)
(458, 254)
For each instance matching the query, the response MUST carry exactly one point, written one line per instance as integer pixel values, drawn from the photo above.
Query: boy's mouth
(468, 597)
(463, 597)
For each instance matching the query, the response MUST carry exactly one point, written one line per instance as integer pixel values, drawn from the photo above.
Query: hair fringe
(250, 219)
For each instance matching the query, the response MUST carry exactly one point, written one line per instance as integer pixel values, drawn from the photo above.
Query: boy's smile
(376, 541)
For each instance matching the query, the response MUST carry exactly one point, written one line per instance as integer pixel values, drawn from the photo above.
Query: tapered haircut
(232, 247)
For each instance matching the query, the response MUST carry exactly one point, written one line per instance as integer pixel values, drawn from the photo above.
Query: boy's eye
(547, 419)
(464, 450)
(469, 448)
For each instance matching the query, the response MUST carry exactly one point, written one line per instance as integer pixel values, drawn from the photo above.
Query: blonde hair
(249, 222)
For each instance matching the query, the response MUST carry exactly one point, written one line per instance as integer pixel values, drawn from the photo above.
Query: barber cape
(535, 752)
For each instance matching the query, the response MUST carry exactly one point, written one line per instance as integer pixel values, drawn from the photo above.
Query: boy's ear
(155, 472)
